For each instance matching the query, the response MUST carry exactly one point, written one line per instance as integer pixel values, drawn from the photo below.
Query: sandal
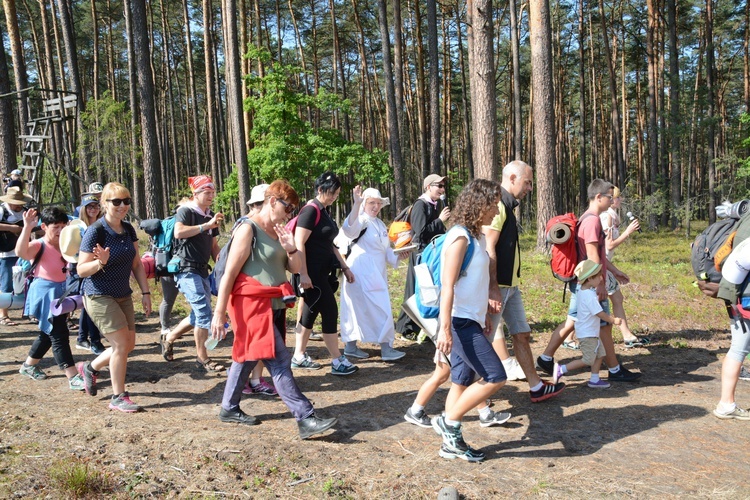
(167, 349)
(637, 342)
(6, 321)
(209, 365)
(572, 345)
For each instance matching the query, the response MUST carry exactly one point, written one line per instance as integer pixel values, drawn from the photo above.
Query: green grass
(78, 479)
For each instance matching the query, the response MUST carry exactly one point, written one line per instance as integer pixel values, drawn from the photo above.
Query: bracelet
(292, 252)
(200, 228)
(145, 293)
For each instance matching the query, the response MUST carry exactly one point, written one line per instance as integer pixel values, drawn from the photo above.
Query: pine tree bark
(208, 50)
(434, 82)
(653, 131)
(7, 122)
(19, 63)
(482, 81)
(515, 54)
(193, 108)
(464, 97)
(675, 129)
(544, 115)
(138, 187)
(394, 142)
(155, 202)
(582, 179)
(711, 112)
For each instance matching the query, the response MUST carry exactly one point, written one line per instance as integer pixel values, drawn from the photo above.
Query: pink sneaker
(247, 389)
(264, 389)
(600, 384)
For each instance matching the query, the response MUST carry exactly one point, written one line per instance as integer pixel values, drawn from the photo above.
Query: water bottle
(212, 342)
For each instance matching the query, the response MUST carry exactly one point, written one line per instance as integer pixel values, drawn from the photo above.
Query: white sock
(537, 387)
(546, 358)
(594, 377)
(614, 369)
(416, 408)
(485, 412)
(726, 408)
(452, 423)
(563, 369)
(254, 382)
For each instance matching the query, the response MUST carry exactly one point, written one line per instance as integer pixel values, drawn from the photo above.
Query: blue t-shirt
(114, 279)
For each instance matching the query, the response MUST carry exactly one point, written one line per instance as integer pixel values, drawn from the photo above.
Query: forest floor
(656, 437)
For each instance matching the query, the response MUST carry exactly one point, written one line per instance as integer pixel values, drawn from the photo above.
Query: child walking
(590, 313)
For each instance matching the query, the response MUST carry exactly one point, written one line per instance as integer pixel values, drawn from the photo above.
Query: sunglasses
(440, 186)
(119, 201)
(93, 205)
(288, 207)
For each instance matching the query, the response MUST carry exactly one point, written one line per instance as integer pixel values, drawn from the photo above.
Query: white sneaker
(513, 370)
(165, 331)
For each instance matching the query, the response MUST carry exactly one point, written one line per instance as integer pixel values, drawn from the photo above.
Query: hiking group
(464, 270)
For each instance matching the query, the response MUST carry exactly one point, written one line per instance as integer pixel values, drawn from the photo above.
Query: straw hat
(70, 240)
(586, 269)
(15, 196)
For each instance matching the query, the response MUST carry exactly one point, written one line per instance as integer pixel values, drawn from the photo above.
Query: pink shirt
(51, 265)
(590, 231)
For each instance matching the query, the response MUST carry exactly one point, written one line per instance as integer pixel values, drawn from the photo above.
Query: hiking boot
(263, 389)
(547, 391)
(89, 377)
(623, 375)
(345, 367)
(420, 418)
(557, 373)
(32, 371)
(494, 418)
(744, 374)
(83, 345)
(513, 370)
(75, 383)
(469, 454)
(388, 353)
(306, 363)
(123, 403)
(237, 417)
(97, 348)
(599, 384)
(738, 413)
(545, 366)
(356, 353)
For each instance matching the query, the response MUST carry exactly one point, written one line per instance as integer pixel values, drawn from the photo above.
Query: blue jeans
(197, 291)
(280, 368)
(6, 274)
(472, 353)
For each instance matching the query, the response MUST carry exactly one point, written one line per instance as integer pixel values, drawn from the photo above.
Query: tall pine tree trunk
(710, 118)
(434, 82)
(7, 123)
(19, 63)
(675, 129)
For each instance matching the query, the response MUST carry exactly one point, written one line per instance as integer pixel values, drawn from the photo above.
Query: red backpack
(562, 234)
(292, 224)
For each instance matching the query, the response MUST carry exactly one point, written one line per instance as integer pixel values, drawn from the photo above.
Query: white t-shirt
(587, 321)
(471, 292)
(611, 226)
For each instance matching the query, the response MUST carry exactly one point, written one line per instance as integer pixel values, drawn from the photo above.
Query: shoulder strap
(469, 253)
(37, 257)
(361, 233)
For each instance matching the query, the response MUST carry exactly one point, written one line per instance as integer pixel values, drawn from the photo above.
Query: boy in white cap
(590, 313)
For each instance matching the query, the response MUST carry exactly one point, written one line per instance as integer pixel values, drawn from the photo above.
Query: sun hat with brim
(70, 240)
(258, 194)
(15, 196)
(586, 269)
(16, 172)
(375, 194)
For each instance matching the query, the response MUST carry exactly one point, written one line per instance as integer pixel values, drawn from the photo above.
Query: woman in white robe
(366, 314)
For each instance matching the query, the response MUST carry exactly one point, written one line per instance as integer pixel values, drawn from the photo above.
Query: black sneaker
(97, 348)
(469, 454)
(238, 417)
(314, 425)
(546, 366)
(83, 345)
(547, 391)
(420, 418)
(624, 375)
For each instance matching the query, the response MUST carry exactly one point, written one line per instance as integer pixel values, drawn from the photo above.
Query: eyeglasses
(119, 201)
(288, 207)
(611, 197)
(440, 186)
(95, 205)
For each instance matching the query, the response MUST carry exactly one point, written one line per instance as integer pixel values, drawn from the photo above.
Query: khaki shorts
(110, 314)
(591, 348)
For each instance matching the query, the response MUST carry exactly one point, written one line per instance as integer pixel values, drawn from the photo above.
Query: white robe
(366, 314)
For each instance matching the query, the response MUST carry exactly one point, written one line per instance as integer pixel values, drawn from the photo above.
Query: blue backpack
(428, 288)
(162, 242)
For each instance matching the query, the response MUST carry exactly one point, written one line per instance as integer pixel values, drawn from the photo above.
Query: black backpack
(708, 252)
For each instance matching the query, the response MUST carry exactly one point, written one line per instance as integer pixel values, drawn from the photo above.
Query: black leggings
(322, 300)
(58, 339)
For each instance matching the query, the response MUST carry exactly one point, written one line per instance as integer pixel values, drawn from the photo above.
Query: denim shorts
(573, 307)
(197, 291)
(473, 353)
(513, 314)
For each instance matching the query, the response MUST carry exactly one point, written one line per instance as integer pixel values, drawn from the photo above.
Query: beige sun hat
(15, 196)
(70, 240)
(586, 269)
(258, 194)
